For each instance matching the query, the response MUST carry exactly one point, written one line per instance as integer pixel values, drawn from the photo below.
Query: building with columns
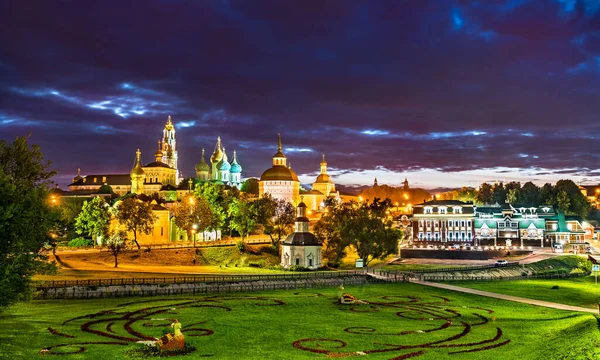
(322, 189)
(280, 180)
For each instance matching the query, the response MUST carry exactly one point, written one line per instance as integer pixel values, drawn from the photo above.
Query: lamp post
(194, 228)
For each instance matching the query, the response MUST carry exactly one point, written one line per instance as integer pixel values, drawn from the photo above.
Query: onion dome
(202, 165)
(217, 154)
(158, 154)
(78, 177)
(235, 166)
(137, 170)
(224, 165)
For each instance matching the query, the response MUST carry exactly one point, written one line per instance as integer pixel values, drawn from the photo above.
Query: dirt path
(507, 297)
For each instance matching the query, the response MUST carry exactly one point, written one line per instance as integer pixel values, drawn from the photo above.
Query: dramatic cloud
(444, 93)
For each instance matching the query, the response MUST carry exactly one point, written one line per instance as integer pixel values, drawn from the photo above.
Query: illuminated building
(322, 189)
(441, 221)
(280, 180)
(220, 169)
(301, 248)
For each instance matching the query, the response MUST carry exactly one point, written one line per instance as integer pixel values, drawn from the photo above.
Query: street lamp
(194, 228)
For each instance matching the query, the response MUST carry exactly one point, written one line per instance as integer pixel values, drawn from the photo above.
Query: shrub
(298, 268)
(240, 246)
(555, 287)
(147, 250)
(80, 242)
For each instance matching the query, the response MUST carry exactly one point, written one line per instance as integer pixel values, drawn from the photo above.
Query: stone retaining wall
(460, 254)
(87, 292)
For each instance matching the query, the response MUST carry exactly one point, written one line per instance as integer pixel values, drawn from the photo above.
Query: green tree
(485, 195)
(328, 231)
(94, 219)
(243, 215)
(217, 198)
(250, 186)
(136, 216)
(193, 215)
(499, 193)
(277, 217)
(116, 243)
(513, 196)
(562, 201)
(547, 194)
(578, 203)
(530, 194)
(25, 218)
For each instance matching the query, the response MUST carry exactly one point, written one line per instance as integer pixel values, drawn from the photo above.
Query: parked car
(499, 263)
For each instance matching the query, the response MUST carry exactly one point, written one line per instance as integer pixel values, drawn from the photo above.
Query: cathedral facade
(220, 169)
(280, 180)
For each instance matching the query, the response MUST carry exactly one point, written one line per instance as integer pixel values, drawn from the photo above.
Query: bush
(240, 246)
(298, 268)
(80, 242)
(555, 287)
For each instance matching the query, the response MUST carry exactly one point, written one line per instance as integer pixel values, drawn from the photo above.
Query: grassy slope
(574, 291)
(252, 331)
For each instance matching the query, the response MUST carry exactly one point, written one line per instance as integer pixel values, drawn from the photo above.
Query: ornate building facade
(280, 180)
(322, 189)
(220, 169)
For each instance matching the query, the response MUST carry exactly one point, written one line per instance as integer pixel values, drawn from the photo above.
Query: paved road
(507, 297)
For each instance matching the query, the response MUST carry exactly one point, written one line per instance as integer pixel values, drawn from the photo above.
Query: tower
(223, 168)
(279, 158)
(158, 155)
(137, 175)
(235, 173)
(169, 147)
(405, 184)
(375, 183)
(323, 183)
(214, 160)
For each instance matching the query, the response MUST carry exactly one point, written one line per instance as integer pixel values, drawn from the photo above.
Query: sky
(444, 93)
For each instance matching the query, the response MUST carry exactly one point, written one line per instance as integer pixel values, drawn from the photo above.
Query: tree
(25, 218)
(94, 219)
(484, 195)
(194, 214)
(250, 186)
(136, 216)
(364, 226)
(243, 215)
(562, 201)
(216, 197)
(530, 194)
(547, 194)
(499, 193)
(277, 216)
(578, 203)
(372, 234)
(116, 243)
(513, 196)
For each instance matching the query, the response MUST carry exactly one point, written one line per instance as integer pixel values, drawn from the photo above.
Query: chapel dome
(302, 239)
(323, 178)
(280, 173)
(202, 166)
(236, 168)
(223, 165)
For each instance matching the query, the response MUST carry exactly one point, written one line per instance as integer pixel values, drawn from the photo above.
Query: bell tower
(169, 147)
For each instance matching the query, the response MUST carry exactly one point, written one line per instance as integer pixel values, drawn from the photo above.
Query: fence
(468, 277)
(208, 279)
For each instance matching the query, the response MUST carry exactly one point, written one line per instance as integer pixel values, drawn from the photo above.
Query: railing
(457, 269)
(197, 279)
(467, 277)
(181, 245)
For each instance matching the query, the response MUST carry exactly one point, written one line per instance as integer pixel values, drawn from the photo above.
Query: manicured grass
(573, 291)
(413, 267)
(307, 324)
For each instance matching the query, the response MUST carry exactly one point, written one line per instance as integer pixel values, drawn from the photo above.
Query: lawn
(396, 322)
(580, 291)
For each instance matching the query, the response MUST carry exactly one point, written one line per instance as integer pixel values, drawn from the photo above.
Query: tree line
(565, 194)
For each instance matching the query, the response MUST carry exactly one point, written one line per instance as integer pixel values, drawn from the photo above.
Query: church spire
(158, 155)
(279, 157)
(375, 182)
(323, 165)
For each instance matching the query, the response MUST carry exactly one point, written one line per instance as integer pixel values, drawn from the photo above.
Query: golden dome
(323, 178)
(279, 173)
(217, 154)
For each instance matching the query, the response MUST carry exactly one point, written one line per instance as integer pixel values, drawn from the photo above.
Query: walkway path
(506, 297)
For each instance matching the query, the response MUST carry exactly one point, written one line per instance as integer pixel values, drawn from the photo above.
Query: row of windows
(443, 210)
(449, 236)
(449, 223)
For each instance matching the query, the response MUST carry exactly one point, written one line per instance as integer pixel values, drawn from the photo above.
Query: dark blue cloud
(376, 85)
